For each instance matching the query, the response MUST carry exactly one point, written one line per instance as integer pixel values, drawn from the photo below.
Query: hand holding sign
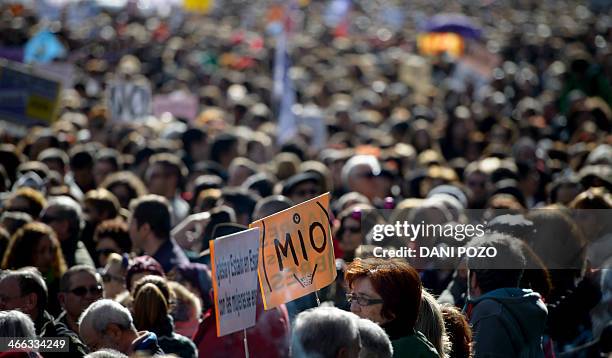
(296, 255)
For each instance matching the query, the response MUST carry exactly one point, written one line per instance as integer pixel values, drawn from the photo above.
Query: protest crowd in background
(173, 128)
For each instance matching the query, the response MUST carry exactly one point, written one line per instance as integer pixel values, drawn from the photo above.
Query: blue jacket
(508, 322)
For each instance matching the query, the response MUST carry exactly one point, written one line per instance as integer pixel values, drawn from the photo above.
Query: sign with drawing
(296, 254)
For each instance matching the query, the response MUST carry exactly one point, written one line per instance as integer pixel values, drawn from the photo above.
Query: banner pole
(246, 346)
(317, 297)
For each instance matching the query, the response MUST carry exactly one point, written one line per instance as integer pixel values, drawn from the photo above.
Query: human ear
(114, 332)
(473, 280)
(343, 353)
(146, 227)
(61, 297)
(31, 302)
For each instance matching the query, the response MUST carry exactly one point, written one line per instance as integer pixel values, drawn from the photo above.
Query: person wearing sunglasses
(388, 292)
(114, 274)
(25, 290)
(111, 236)
(351, 233)
(80, 286)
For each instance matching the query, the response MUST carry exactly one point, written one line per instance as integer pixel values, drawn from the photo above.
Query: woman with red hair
(388, 292)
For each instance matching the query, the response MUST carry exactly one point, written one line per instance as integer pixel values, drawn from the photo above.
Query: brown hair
(458, 331)
(104, 201)
(134, 185)
(22, 246)
(116, 230)
(36, 201)
(395, 281)
(150, 307)
(160, 282)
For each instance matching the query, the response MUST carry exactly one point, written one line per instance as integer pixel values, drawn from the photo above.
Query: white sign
(234, 261)
(128, 101)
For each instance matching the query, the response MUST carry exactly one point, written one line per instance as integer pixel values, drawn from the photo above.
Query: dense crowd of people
(105, 223)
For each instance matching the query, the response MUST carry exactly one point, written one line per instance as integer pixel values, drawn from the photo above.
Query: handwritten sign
(296, 254)
(129, 101)
(234, 272)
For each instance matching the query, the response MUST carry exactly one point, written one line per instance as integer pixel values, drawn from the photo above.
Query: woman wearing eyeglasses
(388, 292)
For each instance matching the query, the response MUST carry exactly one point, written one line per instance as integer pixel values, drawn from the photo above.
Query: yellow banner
(296, 254)
(435, 43)
(199, 6)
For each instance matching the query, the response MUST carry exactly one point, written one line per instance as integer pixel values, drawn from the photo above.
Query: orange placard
(434, 43)
(296, 254)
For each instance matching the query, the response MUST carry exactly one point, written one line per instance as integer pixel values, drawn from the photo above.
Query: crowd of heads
(105, 223)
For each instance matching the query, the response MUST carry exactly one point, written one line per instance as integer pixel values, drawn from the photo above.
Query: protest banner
(27, 97)
(436, 43)
(296, 254)
(129, 101)
(64, 72)
(179, 103)
(198, 6)
(234, 273)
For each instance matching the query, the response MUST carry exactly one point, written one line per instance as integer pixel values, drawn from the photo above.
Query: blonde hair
(430, 322)
(185, 299)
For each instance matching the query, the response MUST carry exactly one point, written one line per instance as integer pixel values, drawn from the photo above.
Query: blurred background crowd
(245, 108)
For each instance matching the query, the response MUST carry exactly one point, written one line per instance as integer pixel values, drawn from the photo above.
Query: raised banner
(27, 97)
(296, 254)
(180, 104)
(198, 6)
(234, 274)
(129, 100)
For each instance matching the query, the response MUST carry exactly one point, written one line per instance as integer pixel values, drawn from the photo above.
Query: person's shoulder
(486, 307)
(56, 328)
(178, 344)
(415, 345)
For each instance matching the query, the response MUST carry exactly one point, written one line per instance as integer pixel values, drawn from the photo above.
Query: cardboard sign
(27, 97)
(180, 104)
(296, 254)
(234, 273)
(128, 101)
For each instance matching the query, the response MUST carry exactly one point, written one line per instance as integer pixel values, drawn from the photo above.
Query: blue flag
(43, 47)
